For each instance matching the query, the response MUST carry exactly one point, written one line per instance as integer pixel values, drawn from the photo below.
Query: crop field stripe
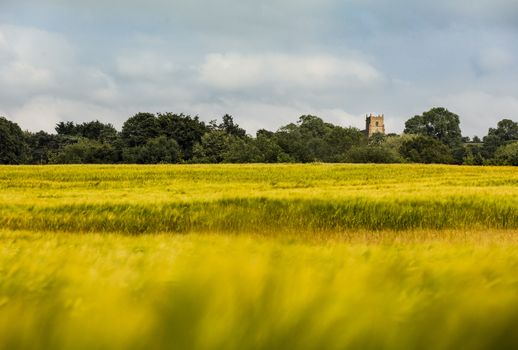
(263, 213)
(229, 198)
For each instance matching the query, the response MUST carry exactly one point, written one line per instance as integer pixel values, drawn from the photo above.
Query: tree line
(147, 138)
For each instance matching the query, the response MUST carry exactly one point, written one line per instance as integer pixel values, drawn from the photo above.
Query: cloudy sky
(265, 62)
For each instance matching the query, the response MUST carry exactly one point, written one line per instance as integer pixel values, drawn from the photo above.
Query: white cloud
(43, 112)
(255, 115)
(480, 111)
(29, 58)
(235, 71)
(33, 60)
(23, 75)
(266, 62)
(43, 80)
(145, 65)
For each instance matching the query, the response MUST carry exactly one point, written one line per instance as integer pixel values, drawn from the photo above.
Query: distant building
(374, 124)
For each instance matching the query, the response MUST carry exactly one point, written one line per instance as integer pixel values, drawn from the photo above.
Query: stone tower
(374, 124)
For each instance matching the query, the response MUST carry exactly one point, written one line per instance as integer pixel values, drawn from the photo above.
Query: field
(258, 256)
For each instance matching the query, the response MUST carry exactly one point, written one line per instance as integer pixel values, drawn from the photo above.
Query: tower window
(377, 124)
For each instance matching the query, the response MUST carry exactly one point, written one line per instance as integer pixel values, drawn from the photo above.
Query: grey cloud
(478, 107)
(233, 71)
(493, 60)
(264, 61)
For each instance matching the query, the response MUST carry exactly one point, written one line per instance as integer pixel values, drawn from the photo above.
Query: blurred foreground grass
(391, 290)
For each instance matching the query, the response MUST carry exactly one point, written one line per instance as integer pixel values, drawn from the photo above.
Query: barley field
(258, 257)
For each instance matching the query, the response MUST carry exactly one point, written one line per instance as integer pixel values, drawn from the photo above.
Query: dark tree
(438, 123)
(66, 128)
(315, 132)
(311, 139)
(341, 140)
(505, 132)
(186, 131)
(139, 129)
(376, 139)
(212, 147)
(303, 141)
(416, 126)
(85, 152)
(158, 150)
(242, 150)
(43, 146)
(264, 132)
(473, 154)
(433, 137)
(507, 154)
(372, 154)
(313, 126)
(94, 130)
(97, 131)
(292, 142)
(270, 151)
(230, 127)
(425, 149)
(13, 148)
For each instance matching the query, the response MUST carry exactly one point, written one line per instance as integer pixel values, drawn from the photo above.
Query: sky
(264, 62)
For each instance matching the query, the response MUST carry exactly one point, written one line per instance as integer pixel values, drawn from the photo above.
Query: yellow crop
(258, 257)
(172, 198)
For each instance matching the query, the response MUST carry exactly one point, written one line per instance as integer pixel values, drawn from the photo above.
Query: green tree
(372, 154)
(212, 147)
(270, 151)
(13, 147)
(184, 129)
(85, 152)
(97, 131)
(242, 150)
(507, 154)
(377, 139)
(311, 139)
(291, 141)
(313, 126)
(379, 149)
(303, 141)
(506, 131)
(43, 146)
(340, 140)
(473, 154)
(66, 128)
(425, 149)
(139, 129)
(394, 142)
(94, 130)
(438, 123)
(157, 150)
(314, 132)
(230, 127)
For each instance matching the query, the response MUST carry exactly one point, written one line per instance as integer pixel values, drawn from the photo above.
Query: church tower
(374, 124)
